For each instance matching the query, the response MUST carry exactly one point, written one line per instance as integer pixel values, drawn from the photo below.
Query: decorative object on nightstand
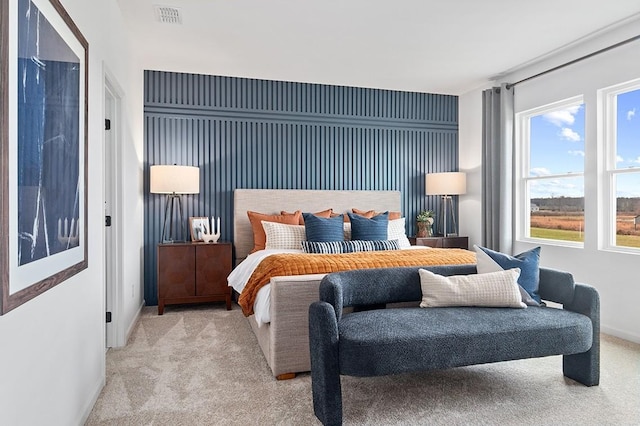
(214, 235)
(198, 227)
(174, 181)
(193, 272)
(447, 184)
(424, 224)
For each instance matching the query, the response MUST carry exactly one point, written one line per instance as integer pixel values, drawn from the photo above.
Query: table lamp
(447, 184)
(174, 181)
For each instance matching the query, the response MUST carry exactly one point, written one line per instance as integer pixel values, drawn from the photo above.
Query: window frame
(608, 142)
(523, 168)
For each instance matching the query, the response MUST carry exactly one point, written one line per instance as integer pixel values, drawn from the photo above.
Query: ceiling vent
(168, 14)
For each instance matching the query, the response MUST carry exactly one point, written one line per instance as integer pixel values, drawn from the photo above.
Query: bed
(279, 314)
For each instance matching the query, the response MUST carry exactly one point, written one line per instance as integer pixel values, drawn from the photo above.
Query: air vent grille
(168, 15)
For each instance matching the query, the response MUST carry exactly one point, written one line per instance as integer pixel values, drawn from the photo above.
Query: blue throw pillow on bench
(528, 262)
(374, 229)
(323, 229)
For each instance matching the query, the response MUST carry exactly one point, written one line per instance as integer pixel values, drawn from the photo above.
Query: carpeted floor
(201, 365)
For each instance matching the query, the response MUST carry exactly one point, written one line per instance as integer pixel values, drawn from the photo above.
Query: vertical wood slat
(330, 149)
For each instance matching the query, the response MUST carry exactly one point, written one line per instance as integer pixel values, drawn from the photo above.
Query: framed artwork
(198, 225)
(43, 146)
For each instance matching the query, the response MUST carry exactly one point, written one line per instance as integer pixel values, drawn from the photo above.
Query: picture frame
(43, 149)
(196, 225)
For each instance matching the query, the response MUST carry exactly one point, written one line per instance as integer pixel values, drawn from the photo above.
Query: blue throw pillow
(528, 262)
(374, 229)
(323, 229)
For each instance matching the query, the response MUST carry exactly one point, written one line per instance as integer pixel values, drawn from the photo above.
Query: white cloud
(563, 117)
(570, 187)
(569, 134)
(619, 159)
(539, 171)
(577, 153)
(628, 193)
(629, 185)
(631, 114)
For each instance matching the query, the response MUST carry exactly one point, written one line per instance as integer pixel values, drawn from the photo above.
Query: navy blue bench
(379, 342)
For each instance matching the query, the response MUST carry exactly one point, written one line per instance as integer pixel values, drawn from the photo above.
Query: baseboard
(620, 334)
(133, 323)
(86, 412)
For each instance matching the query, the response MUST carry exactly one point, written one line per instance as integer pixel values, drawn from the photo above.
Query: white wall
(52, 348)
(614, 274)
(470, 158)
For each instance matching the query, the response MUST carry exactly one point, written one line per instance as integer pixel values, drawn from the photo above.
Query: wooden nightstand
(193, 273)
(442, 242)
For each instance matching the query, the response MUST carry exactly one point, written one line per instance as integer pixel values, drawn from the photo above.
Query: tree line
(576, 204)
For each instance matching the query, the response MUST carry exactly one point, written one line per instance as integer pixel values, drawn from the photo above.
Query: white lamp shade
(449, 183)
(175, 179)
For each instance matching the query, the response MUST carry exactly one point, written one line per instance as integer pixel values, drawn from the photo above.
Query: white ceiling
(435, 46)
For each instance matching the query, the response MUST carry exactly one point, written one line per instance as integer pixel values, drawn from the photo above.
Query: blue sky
(557, 147)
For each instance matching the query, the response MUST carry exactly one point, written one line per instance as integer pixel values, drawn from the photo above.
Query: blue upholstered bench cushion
(390, 341)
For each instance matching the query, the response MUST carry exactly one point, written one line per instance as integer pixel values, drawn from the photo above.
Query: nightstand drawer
(213, 265)
(193, 273)
(443, 242)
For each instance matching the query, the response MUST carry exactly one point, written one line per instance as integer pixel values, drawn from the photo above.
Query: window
(551, 171)
(622, 148)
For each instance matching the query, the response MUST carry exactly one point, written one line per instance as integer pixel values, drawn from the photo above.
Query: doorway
(112, 217)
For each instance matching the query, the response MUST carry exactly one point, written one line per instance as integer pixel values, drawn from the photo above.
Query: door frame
(115, 335)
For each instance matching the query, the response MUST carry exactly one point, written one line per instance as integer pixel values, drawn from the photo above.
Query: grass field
(570, 227)
(557, 234)
(627, 240)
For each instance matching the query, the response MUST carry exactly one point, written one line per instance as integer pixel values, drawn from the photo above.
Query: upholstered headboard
(272, 201)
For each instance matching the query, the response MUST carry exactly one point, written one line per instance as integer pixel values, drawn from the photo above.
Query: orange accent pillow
(324, 213)
(259, 237)
(371, 213)
(368, 214)
(395, 215)
(344, 216)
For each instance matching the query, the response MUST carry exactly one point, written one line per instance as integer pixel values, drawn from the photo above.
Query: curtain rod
(566, 64)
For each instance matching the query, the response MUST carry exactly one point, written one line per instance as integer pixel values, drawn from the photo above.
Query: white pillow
(346, 228)
(485, 264)
(396, 231)
(495, 289)
(284, 237)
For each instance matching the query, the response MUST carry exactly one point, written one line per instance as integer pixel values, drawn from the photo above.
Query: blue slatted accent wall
(248, 133)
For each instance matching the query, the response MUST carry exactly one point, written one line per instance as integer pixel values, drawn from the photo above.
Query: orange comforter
(285, 264)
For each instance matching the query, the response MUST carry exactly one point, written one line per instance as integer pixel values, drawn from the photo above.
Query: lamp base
(447, 226)
(172, 236)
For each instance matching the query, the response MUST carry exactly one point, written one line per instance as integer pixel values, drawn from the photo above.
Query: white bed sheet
(240, 276)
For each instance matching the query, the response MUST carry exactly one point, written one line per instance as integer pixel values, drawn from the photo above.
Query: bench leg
(584, 367)
(325, 365)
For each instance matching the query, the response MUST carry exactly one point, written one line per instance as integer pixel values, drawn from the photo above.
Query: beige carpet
(202, 366)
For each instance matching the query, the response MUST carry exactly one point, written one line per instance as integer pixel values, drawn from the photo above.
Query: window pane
(557, 209)
(628, 210)
(557, 142)
(628, 130)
